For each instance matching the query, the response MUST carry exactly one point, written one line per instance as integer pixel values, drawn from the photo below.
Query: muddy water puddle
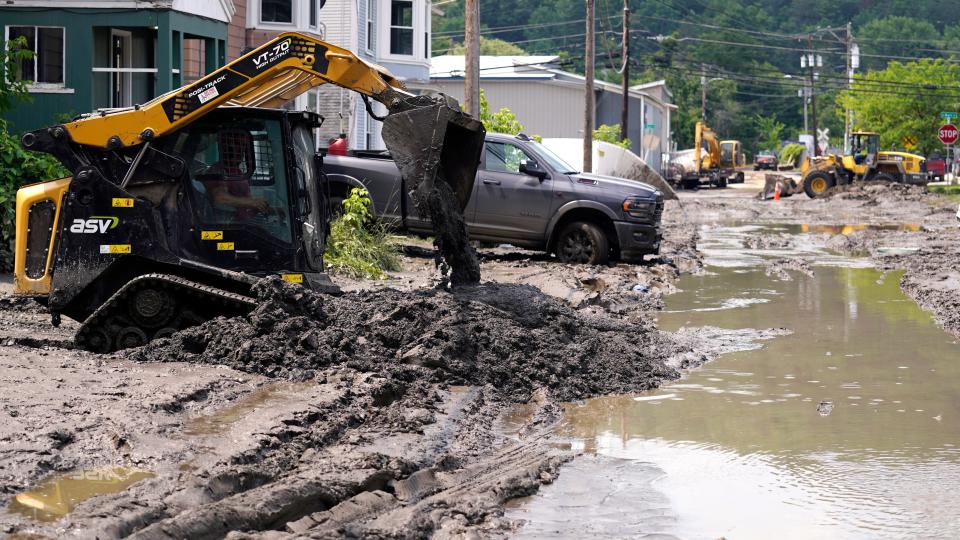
(846, 428)
(57, 497)
(221, 421)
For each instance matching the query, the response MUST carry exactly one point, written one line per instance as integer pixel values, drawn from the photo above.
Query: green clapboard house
(110, 54)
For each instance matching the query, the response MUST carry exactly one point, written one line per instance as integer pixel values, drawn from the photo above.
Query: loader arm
(267, 76)
(435, 145)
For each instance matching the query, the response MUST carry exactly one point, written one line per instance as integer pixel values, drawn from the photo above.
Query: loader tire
(582, 242)
(886, 177)
(818, 183)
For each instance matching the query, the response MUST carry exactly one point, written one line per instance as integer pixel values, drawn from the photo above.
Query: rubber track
(195, 292)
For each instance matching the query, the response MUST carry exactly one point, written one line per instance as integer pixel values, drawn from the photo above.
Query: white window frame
(387, 25)
(35, 87)
(312, 6)
(426, 30)
(371, 28)
(293, 14)
(127, 37)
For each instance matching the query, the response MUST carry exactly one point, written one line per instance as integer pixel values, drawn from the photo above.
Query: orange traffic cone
(776, 192)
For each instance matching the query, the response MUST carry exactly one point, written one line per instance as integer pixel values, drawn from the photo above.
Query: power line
(532, 40)
(511, 28)
(794, 37)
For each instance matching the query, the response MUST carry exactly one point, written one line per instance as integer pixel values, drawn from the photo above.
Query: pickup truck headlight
(639, 208)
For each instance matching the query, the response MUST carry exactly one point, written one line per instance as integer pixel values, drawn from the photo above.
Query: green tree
(13, 90)
(502, 121)
(878, 37)
(895, 115)
(491, 47)
(611, 134)
(770, 130)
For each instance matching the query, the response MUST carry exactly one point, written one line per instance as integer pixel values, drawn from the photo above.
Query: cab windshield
(237, 175)
(556, 163)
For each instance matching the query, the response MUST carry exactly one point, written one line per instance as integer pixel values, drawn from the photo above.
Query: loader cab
(252, 197)
(730, 154)
(864, 147)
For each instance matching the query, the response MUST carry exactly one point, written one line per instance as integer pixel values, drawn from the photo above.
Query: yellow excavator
(715, 162)
(176, 207)
(733, 160)
(866, 162)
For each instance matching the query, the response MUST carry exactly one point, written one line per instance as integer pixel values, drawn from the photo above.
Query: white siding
(220, 10)
(339, 18)
(545, 109)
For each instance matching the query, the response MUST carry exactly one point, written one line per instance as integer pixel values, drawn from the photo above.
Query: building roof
(451, 66)
(537, 68)
(651, 85)
(220, 10)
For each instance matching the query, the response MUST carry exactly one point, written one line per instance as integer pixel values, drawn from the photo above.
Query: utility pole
(625, 71)
(813, 60)
(806, 100)
(703, 94)
(853, 62)
(471, 91)
(589, 109)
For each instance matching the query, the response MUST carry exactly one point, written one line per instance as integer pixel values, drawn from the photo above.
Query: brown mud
(388, 411)
(375, 413)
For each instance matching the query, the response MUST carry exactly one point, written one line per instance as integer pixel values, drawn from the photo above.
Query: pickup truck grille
(658, 211)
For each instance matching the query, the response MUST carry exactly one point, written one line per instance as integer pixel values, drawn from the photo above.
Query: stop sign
(949, 134)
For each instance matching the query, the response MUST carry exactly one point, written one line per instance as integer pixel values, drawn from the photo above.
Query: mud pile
(21, 304)
(878, 191)
(512, 337)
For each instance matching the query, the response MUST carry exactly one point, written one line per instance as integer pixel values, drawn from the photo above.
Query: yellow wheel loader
(866, 162)
(177, 206)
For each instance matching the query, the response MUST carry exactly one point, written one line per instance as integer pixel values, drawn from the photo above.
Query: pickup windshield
(553, 160)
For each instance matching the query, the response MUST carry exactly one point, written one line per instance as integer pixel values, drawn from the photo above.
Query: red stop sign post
(949, 134)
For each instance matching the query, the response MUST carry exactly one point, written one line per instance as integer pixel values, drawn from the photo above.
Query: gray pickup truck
(524, 195)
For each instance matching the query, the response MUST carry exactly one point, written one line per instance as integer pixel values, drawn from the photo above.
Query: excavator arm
(435, 145)
(705, 135)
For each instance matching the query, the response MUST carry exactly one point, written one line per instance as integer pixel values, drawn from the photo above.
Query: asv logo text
(94, 225)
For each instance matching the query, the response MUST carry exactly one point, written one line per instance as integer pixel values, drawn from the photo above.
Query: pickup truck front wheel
(582, 242)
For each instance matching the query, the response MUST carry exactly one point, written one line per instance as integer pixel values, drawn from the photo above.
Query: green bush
(360, 246)
(610, 134)
(948, 189)
(18, 167)
(502, 121)
(791, 153)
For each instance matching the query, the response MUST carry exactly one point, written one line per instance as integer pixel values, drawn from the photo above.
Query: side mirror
(532, 168)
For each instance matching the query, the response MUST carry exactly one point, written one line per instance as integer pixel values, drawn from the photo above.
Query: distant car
(765, 160)
(936, 166)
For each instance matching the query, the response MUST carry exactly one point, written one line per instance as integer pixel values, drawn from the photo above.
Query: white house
(549, 101)
(392, 33)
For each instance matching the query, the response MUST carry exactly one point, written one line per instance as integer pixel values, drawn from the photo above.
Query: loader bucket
(431, 140)
(437, 149)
